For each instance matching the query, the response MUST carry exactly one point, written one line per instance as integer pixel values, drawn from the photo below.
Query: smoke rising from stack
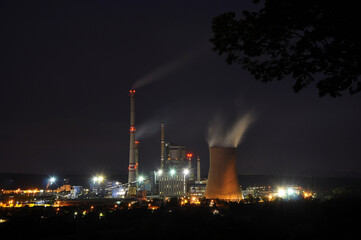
(147, 129)
(220, 136)
(161, 72)
(167, 68)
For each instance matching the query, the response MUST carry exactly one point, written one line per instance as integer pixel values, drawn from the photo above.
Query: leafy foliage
(310, 41)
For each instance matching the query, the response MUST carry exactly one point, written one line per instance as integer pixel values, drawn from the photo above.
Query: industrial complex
(178, 176)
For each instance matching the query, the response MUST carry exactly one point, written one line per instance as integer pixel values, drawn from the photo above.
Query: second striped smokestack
(132, 148)
(162, 146)
(198, 169)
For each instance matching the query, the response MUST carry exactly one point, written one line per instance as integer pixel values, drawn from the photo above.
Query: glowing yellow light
(98, 179)
(2, 220)
(281, 192)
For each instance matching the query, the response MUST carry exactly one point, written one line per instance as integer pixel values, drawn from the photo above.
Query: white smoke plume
(147, 129)
(220, 136)
(167, 68)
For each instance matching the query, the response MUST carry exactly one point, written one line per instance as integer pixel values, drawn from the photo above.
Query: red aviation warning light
(132, 129)
(136, 142)
(189, 155)
(131, 92)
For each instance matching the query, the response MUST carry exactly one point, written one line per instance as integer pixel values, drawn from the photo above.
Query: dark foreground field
(301, 219)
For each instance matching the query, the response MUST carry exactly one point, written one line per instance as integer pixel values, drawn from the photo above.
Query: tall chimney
(132, 163)
(198, 168)
(162, 146)
(222, 177)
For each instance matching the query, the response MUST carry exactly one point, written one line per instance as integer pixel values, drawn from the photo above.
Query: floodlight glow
(290, 191)
(100, 178)
(281, 192)
(172, 172)
(160, 172)
(186, 171)
(52, 180)
(95, 179)
(141, 179)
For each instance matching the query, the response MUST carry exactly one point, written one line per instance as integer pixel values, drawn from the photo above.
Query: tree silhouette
(309, 41)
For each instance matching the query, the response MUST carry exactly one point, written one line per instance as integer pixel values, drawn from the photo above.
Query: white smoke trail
(168, 68)
(219, 136)
(161, 72)
(147, 129)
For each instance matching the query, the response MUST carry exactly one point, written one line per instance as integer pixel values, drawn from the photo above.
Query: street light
(281, 193)
(98, 179)
(52, 180)
(95, 179)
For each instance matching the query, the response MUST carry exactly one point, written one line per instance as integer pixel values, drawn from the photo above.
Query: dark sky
(67, 67)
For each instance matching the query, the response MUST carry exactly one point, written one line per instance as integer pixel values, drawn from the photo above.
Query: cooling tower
(222, 177)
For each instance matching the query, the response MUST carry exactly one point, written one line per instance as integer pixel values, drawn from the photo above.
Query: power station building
(176, 169)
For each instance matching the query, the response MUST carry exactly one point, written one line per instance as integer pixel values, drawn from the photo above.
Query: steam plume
(219, 136)
(166, 69)
(147, 129)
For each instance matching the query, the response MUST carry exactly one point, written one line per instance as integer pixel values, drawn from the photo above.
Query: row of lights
(100, 178)
(173, 171)
(96, 179)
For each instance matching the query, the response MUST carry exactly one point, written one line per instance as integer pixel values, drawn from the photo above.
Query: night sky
(67, 68)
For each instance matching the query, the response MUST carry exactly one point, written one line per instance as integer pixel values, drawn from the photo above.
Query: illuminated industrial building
(76, 191)
(172, 156)
(176, 169)
(197, 189)
(172, 184)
